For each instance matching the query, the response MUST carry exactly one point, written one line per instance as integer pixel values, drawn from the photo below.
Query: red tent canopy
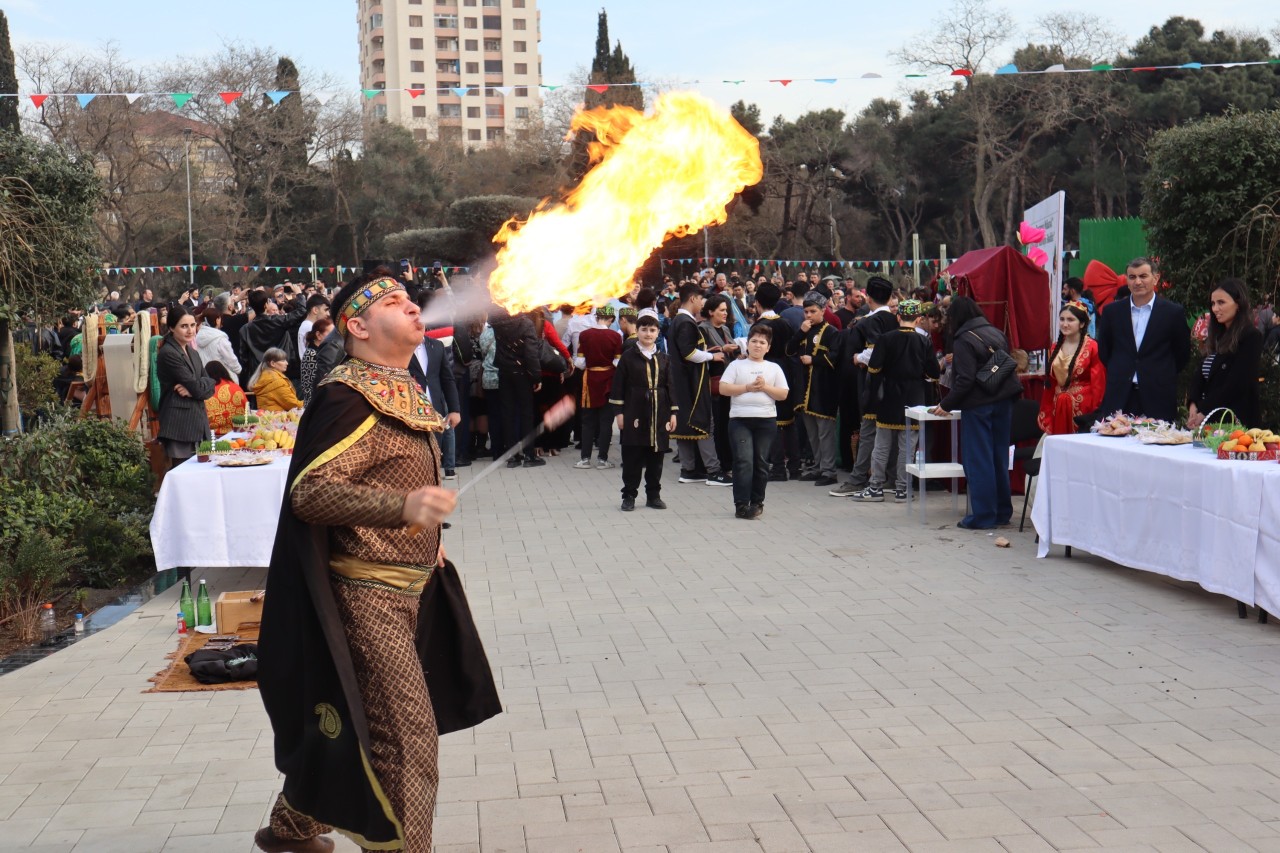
(1012, 290)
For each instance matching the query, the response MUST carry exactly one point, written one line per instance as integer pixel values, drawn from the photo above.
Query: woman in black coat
(184, 386)
(986, 417)
(1228, 376)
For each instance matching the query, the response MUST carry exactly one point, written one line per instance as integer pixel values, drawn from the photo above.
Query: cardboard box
(233, 609)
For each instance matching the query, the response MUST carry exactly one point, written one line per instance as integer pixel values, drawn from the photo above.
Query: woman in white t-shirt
(754, 386)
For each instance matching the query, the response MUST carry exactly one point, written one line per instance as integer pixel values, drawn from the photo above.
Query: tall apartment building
(489, 47)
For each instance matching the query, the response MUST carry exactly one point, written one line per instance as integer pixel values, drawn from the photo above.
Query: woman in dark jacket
(184, 386)
(985, 417)
(516, 355)
(1228, 376)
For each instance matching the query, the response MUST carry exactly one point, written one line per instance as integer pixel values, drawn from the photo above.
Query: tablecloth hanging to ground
(1177, 511)
(211, 517)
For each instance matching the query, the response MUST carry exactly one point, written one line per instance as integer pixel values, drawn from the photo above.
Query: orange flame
(664, 175)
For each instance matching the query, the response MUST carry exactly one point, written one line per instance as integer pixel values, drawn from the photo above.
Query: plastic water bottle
(79, 624)
(204, 610)
(48, 626)
(182, 624)
(920, 458)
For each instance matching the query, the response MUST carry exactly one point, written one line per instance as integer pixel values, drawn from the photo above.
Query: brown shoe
(269, 842)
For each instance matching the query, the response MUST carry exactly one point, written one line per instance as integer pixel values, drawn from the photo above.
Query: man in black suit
(434, 375)
(1145, 343)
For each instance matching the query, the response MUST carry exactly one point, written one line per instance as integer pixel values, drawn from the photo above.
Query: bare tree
(966, 37)
(1079, 35)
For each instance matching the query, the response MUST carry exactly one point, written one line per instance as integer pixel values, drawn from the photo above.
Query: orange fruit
(1244, 442)
(1237, 434)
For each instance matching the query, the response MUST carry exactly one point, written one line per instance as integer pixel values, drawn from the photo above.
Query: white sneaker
(604, 465)
(582, 463)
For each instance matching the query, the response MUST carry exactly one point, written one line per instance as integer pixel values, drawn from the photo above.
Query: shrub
(36, 372)
(483, 215)
(113, 547)
(36, 565)
(424, 245)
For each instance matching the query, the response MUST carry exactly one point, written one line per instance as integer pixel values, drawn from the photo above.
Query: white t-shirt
(753, 404)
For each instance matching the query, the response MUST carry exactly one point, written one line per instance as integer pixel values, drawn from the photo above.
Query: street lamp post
(191, 250)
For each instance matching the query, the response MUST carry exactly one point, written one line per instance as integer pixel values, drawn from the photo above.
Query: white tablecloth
(208, 516)
(1177, 511)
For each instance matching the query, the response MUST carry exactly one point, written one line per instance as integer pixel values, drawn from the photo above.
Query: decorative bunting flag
(414, 93)
(229, 97)
(277, 96)
(1007, 69)
(962, 72)
(598, 87)
(460, 91)
(85, 100)
(824, 79)
(39, 100)
(323, 97)
(783, 82)
(132, 96)
(180, 98)
(549, 88)
(371, 93)
(735, 82)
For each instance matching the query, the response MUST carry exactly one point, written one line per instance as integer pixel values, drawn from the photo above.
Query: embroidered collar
(391, 391)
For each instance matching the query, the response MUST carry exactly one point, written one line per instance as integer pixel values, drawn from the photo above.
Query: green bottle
(185, 604)
(204, 612)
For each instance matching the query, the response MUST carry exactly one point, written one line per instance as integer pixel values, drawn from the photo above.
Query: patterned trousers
(380, 628)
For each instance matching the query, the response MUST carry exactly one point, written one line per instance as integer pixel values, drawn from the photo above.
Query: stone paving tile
(730, 686)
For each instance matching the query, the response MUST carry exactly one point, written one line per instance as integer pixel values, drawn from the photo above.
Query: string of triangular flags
(180, 99)
(765, 263)
(296, 268)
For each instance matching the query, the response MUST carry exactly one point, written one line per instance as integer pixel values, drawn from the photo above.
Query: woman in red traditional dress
(1077, 377)
(227, 400)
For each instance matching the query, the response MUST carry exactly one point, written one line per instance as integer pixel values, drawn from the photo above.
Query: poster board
(1051, 215)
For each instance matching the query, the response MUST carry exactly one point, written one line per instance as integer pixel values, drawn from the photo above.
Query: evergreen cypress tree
(8, 81)
(612, 66)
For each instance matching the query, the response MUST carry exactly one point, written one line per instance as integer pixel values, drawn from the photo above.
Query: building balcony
(449, 121)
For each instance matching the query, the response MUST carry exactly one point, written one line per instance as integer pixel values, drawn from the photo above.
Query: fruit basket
(1212, 433)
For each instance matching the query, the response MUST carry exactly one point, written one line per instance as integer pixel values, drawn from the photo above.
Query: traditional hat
(911, 308)
(879, 289)
(606, 311)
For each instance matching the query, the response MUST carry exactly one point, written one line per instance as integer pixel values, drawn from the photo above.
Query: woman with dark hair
(227, 400)
(552, 388)
(718, 332)
(986, 415)
(212, 343)
(314, 337)
(1228, 376)
(184, 386)
(1077, 377)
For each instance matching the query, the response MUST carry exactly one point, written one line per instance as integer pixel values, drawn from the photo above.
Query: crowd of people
(749, 380)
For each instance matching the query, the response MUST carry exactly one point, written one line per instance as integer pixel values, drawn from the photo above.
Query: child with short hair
(646, 414)
(815, 343)
(755, 386)
(902, 366)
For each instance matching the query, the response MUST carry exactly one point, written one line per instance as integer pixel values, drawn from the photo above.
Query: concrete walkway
(830, 678)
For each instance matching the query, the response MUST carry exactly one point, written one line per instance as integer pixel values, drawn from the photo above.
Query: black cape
(305, 672)
(690, 381)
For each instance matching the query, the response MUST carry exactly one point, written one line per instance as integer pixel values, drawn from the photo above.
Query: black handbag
(550, 360)
(995, 371)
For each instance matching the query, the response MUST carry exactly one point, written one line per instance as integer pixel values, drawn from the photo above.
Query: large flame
(655, 177)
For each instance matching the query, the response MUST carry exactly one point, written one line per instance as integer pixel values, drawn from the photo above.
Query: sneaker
(604, 465)
(899, 496)
(534, 462)
(869, 495)
(844, 490)
(757, 510)
(628, 504)
(743, 511)
(825, 481)
(515, 461)
(450, 474)
(690, 477)
(719, 480)
(808, 476)
(777, 476)
(655, 503)
(582, 463)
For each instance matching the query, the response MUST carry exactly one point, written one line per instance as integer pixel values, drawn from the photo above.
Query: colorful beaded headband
(371, 293)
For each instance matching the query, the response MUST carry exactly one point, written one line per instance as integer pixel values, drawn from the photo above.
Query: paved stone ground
(831, 678)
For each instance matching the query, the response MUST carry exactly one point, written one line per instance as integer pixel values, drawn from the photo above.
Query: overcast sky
(669, 41)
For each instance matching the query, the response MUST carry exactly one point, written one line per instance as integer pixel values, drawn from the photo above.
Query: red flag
(228, 97)
(38, 100)
(413, 93)
(962, 72)
(783, 82)
(597, 87)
